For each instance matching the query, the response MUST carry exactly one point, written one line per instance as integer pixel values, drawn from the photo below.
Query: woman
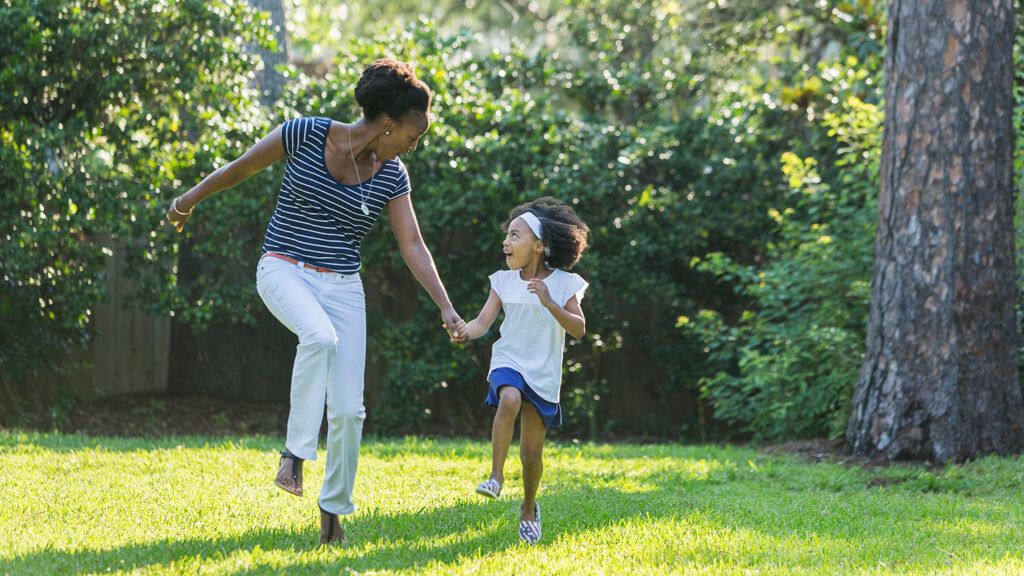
(339, 178)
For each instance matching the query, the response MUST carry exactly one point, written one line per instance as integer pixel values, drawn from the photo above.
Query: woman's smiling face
(404, 136)
(520, 245)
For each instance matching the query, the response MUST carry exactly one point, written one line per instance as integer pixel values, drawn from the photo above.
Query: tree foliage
(740, 137)
(100, 105)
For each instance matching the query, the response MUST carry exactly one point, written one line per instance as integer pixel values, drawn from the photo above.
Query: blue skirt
(550, 413)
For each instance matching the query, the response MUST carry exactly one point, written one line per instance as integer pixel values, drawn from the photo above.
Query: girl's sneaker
(489, 488)
(529, 530)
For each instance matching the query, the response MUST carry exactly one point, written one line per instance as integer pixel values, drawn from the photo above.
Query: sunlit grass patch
(77, 504)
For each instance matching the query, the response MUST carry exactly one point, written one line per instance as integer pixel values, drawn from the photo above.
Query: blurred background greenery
(724, 153)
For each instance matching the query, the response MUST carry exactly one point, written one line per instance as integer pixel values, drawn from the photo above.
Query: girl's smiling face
(521, 246)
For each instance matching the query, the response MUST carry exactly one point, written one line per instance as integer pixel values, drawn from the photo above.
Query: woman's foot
(331, 531)
(289, 474)
(490, 488)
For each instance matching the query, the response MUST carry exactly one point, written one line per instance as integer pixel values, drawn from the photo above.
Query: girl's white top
(532, 341)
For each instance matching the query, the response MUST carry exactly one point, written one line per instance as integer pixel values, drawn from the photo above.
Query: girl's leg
(509, 402)
(294, 300)
(346, 305)
(531, 445)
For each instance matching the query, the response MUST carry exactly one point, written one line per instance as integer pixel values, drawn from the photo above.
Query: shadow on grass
(408, 540)
(476, 529)
(376, 541)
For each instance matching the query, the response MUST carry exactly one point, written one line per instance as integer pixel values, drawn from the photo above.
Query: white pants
(327, 311)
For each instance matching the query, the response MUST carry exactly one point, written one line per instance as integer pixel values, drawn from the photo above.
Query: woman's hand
(461, 336)
(538, 287)
(454, 324)
(177, 215)
(478, 327)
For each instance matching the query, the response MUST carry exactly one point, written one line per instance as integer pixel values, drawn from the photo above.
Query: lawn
(83, 504)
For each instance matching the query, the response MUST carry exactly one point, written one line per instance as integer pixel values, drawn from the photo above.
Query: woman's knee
(347, 413)
(324, 339)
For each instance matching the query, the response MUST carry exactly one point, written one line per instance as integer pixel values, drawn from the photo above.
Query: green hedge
(99, 109)
(730, 197)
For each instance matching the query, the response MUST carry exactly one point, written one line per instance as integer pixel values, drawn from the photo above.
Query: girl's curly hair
(391, 86)
(561, 230)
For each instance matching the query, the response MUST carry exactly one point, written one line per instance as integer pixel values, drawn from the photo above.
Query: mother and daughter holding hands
(338, 179)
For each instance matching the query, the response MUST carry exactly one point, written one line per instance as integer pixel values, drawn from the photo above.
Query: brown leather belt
(294, 261)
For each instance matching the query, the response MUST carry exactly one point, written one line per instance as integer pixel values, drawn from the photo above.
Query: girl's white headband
(533, 222)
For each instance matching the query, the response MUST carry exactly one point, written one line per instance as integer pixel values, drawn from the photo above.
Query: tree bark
(939, 379)
(268, 80)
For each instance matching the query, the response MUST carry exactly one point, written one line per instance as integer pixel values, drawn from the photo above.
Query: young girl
(541, 303)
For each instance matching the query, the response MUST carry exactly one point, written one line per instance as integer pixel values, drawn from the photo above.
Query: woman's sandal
(296, 487)
(331, 531)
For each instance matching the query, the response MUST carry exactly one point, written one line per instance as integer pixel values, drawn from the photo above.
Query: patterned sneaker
(529, 530)
(489, 488)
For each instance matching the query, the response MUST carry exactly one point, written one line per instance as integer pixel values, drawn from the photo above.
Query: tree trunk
(268, 80)
(939, 378)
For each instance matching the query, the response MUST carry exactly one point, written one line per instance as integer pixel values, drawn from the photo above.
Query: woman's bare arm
(262, 154)
(417, 257)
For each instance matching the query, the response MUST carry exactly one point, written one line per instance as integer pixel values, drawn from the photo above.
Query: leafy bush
(98, 113)
(788, 365)
(669, 150)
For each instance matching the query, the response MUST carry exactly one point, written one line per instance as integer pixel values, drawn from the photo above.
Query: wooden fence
(130, 352)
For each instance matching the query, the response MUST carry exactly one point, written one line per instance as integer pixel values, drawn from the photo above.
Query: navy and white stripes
(318, 219)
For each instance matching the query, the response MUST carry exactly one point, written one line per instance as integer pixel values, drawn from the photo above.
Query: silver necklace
(362, 195)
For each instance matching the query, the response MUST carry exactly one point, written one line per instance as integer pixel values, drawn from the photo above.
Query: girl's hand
(461, 335)
(538, 287)
(453, 323)
(177, 215)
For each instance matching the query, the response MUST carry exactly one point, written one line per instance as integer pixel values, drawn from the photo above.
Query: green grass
(78, 504)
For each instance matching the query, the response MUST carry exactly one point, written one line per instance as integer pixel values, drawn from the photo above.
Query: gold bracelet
(174, 206)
